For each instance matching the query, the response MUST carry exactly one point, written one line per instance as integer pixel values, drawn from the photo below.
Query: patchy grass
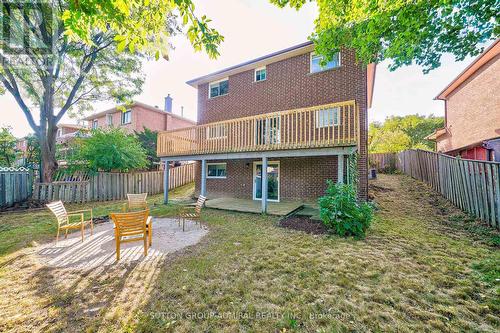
(18, 230)
(417, 270)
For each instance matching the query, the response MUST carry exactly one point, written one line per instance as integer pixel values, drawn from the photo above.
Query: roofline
(241, 67)
(491, 52)
(136, 103)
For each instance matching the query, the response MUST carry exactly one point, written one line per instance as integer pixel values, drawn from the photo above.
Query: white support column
(264, 185)
(340, 169)
(166, 173)
(203, 187)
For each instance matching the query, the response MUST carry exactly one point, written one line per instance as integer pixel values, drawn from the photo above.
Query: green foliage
(137, 25)
(404, 31)
(399, 133)
(33, 154)
(7, 147)
(148, 140)
(342, 213)
(107, 150)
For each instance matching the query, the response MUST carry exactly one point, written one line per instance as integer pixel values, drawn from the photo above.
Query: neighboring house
(139, 116)
(66, 132)
(472, 110)
(285, 110)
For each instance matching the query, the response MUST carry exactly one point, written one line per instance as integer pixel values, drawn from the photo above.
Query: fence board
(15, 185)
(105, 186)
(473, 186)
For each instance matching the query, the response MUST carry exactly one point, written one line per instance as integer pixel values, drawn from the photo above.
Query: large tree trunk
(48, 155)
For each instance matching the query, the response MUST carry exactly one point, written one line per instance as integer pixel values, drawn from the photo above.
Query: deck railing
(330, 125)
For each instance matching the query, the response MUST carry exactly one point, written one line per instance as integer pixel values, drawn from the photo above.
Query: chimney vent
(168, 104)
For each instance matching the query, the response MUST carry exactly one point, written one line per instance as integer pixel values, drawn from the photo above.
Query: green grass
(417, 270)
(21, 229)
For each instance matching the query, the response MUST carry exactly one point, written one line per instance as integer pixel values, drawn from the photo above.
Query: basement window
(216, 170)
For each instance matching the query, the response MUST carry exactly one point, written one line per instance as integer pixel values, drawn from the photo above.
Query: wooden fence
(474, 186)
(15, 185)
(383, 161)
(106, 186)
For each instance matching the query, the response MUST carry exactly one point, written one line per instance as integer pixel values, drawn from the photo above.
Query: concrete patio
(254, 206)
(99, 249)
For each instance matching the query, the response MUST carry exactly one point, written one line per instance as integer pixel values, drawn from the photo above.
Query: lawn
(424, 266)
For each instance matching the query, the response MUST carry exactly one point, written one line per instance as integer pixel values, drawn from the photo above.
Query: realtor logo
(27, 27)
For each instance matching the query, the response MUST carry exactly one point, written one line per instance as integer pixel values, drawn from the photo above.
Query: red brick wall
(473, 110)
(300, 178)
(290, 85)
(144, 117)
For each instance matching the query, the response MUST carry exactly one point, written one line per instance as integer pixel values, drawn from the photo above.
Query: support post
(264, 185)
(203, 189)
(166, 174)
(340, 169)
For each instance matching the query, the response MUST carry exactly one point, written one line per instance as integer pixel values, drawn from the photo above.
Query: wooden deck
(254, 206)
(330, 125)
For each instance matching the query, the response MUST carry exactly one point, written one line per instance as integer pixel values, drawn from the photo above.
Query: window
(316, 63)
(216, 131)
(327, 117)
(95, 124)
(59, 132)
(216, 170)
(126, 117)
(260, 74)
(219, 88)
(109, 119)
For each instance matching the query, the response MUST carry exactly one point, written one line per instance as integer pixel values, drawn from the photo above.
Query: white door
(273, 181)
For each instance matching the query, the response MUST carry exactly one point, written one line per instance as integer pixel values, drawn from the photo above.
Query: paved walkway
(99, 249)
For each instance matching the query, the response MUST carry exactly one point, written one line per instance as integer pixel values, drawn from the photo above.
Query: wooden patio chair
(135, 202)
(132, 227)
(192, 213)
(63, 219)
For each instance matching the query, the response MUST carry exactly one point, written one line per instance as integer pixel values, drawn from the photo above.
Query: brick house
(472, 110)
(139, 116)
(285, 113)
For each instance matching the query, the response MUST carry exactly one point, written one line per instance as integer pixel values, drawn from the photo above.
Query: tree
(32, 156)
(400, 133)
(107, 150)
(7, 147)
(404, 31)
(148, 139)
(62, 56)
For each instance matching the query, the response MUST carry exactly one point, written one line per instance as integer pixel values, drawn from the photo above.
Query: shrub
(341, 212)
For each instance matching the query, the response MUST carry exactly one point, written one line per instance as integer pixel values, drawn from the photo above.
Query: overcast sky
(253, 28)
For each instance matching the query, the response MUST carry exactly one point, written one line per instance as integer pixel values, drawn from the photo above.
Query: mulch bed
(305, 224)
(23, 206)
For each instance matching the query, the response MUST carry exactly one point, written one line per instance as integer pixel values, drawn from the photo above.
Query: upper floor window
(327, 117)
(260, 74)
(109, 119)
(218, 88)
(95, 124)
(126, 117)
(316, 63)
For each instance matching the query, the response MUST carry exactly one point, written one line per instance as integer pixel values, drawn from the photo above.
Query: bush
(107, 150)
(341, 212)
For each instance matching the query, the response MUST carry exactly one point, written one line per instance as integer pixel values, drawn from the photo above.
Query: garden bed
(304, 224)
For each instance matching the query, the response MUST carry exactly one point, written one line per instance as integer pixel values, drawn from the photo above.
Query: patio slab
(99, 249)
(253, 206)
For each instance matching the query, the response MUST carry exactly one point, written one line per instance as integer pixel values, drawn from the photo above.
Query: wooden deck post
(203, 189)
(264, 185)
(166, 172)
(340, 169)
